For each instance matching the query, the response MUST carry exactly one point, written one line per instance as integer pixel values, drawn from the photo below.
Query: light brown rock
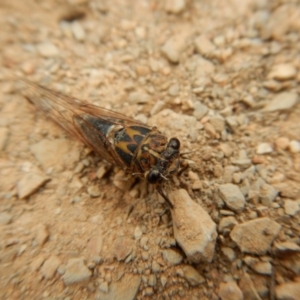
(30, 183)
(50, 266)
(232, 196)
(288, 291)
(76, 271)
(194, 230)
(282, 101)
(94, 245)
(204, 46)
(255, 236)
(283, 71)
(122, 248)
(124, 289)
(230, 291)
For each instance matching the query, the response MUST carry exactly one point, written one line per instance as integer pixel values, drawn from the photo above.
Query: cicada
(138, 149)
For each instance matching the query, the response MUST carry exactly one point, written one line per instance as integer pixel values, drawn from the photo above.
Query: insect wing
(89, 123)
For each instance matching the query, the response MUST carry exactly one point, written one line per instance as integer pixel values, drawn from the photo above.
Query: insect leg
(160, 191)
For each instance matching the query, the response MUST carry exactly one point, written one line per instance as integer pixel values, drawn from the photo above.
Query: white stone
(47, 50)
(282, 101)
(294, 146)
(175, 6)
(264, 148)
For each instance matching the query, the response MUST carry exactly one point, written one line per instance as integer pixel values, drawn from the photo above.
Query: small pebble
(122, 248)
(172, 257)
(294, 146)
(139, 97)
(261, 267)
(291, 207)
(152, 280)
(174, 90)
(255, 236)
(192, 276)
(175, 6)
(41, 234)
(226, 149)
(157, 107)
(282, 143)
(171, 50)
(155, 267)
(50, 266)
(76, 271)
(282, 101)
(283, 71)
(288, 291)
(78, 31)
(103, 287)
(232, 196)
(218, 123)
(137, 233)
(267, 194)
(227, 223)
(264, 148)
(230, 291)
(5, 218)
(287, 247)
(200, 110)
(30, 183)
(229, 253)
(102, 171)
(204, 46)
(47, 50)
(94, 191)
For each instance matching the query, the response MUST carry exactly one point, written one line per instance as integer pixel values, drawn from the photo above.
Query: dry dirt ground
(223, 77)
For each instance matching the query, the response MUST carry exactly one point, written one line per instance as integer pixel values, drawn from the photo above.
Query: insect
(138, 149)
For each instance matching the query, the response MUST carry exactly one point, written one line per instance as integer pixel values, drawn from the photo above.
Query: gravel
(224, 82)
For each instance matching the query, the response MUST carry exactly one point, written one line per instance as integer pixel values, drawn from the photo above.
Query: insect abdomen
(127, 140)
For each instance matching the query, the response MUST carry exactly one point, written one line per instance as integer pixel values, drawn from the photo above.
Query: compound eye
(153, 176)
(174, 143)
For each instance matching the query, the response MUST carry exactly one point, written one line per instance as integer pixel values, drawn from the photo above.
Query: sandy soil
(223, 77)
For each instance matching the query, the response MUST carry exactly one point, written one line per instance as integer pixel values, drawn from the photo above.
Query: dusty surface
(222, 76)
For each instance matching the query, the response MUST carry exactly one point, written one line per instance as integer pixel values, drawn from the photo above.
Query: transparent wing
(78, 117)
